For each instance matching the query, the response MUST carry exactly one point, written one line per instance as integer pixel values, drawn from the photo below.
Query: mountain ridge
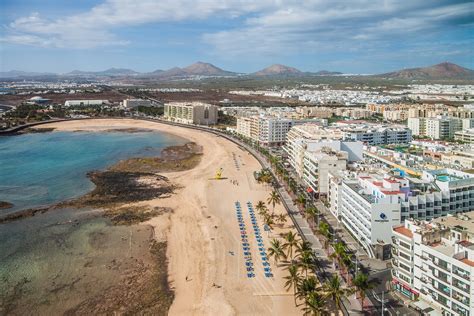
(445, 70)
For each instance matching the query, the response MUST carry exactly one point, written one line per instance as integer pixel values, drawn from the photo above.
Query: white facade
(133, 103)
(84, 102)
(269, 130)
(318, 164)
(434, 262)
(438, 127)
(378, 135)
(438, 193)
(310, 137)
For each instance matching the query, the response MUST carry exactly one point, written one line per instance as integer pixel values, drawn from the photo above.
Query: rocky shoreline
(143, 288)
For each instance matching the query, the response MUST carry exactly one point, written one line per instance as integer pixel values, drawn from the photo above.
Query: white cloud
(267, 26)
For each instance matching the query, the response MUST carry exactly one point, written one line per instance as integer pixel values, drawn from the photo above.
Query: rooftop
(403, 231)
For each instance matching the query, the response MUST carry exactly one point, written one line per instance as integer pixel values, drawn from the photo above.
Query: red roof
(465, 243)
(378, 183)
(391, 192)
(391, 181)
(403, 231)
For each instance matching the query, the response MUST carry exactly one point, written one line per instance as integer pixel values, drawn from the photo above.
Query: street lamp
(381, 300)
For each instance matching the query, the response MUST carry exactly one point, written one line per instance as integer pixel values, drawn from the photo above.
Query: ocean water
(40, 169)
(53, 262)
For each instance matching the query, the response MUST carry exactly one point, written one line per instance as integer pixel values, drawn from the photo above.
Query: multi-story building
(395, 115)
(466, 136)
(69, 103)
(191, 113)
(441, 127)
(433, 263)
(378, 134)
(269, 130)
(312, 137)
(318, 164)
(369, 205)
(133, 103)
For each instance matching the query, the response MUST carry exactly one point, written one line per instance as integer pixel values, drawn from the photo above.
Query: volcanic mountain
(277, 70)
(444, 70)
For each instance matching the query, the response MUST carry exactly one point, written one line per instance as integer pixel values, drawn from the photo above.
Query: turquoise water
(45, 168)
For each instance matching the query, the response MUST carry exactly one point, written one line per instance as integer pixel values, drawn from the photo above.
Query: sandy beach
(206, 268)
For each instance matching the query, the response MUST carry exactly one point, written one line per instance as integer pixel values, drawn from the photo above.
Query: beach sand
(202, 233)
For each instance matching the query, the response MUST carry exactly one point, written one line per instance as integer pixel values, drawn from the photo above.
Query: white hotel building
(433, 264)
(370, 205)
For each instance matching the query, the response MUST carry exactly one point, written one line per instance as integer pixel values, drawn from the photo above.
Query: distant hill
(444, 70)
(196, 69)
(277, 70)
(111, 72)
(326, 73)
(206, 69)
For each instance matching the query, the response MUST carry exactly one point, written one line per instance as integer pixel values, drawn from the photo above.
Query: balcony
(461, 286)
(461, 299)
(443, 265)
(440, 299)
(462, 274)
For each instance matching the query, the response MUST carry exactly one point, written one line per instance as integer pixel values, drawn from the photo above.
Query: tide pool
(44, 168)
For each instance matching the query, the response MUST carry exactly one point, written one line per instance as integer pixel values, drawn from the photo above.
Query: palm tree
(334, 289)
(291, 242)
(302, 247)
(301, 200)
(293, 279)
(324, 230)
(261, 208)
(276, 250)
(274, 199)
(339, 252)
(268, 220)
(362, 284)
(282, 219)
(314, 304)
(311, 212)
(306, 286)
(306, 261)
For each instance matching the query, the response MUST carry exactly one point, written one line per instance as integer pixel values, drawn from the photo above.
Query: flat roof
(403, 231)
(461, 222)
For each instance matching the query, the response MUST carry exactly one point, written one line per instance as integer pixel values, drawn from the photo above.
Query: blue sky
(352, 36)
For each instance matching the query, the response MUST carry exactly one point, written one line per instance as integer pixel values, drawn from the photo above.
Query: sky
(351, 36)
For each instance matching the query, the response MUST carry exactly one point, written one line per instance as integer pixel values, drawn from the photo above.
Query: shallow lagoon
(44, 168)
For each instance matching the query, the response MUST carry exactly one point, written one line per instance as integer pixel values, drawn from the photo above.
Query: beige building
(395, 115)
(191, 113)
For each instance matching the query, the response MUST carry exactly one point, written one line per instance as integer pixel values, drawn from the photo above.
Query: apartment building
(191, 113)
(466, 136)
(312, 137)
(318, 164)
(377, 134)
(133, 103)
(370, 204)
(69, 103)
(441, 127)
(433, 263)
(395, 115)
(270, 130)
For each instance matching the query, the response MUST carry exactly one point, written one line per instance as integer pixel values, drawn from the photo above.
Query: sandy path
(203, 234)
